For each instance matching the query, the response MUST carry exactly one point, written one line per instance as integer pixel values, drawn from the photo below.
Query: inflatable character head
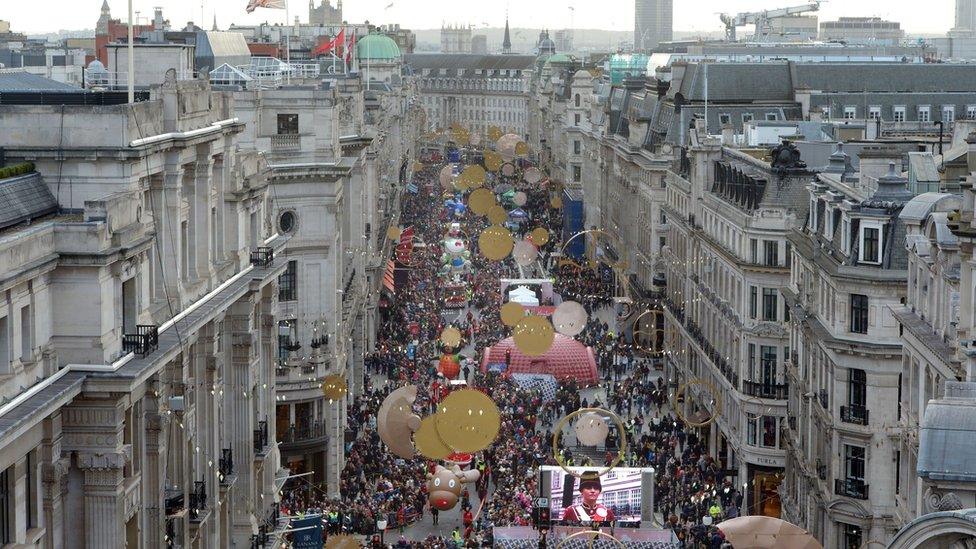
(444, 487)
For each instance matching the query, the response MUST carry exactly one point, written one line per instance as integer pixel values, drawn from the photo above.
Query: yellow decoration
(540, 236)
(394, 232)
(521, 148)
(511, 313)
(493, 161)
(481, 200)
(468, 420)
(428, 442)
(534, 335)
(495, 243)
(334, 387)
(451, 337)
(497, 215)
(556, 202)
(474, 175)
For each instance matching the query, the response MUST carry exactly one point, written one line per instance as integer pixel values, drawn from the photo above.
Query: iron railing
(225, 464)
(198, 499)
(851, 487)
(854, 414)
(776, 391)
(262, 257)
(261, 437)
(143, 342)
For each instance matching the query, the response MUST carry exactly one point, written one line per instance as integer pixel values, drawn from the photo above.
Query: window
(971, 112)
(751, 428)
(30, 502)
(576, 100)
(26, 335)
(576, 119)
(288, 283)
(4, 346)
(898, 113)
(874, 112)
(768, 357)
(850, 112)
(769, 426)
(924, 113)
(286, 222)
(577, 173)
(771, 116)
(826, 112)
(770, 303)
(857, 388)
(771, 253)
(746, 117)
(577, 147)
(753, 301)
(752, 361)
(870, 244)
(285, 328)
(859, 314)
(129, 312)
(6, 507)
(287, 124)
(854, 462)
(948, 113)
(753, 250)
(725, 119)
(852, 537)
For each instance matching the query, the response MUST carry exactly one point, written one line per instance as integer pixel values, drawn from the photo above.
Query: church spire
(507, 42)
(215, 23)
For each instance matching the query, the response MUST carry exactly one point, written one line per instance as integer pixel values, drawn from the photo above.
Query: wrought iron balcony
(262, 257)
(143, 342)
(854, 414)
(198, 500)
(261, 437)
(225, 465)
(304, 432)
(776, 391)
(851, 487)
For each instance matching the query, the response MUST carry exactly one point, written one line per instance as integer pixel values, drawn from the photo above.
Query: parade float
(455, 262)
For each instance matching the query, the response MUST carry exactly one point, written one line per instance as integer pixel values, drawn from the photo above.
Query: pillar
(54, 479)
(239, 416)
(103, 497)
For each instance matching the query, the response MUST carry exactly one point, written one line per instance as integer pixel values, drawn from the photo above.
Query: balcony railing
(198, 499)
(286, 142)
(304, 432)
(854, 414)
(143, 342)
(225, 465)
(261, 437)
(262, 257)
(777, 391)
(851, 487)
(717, 359)
(824, 400)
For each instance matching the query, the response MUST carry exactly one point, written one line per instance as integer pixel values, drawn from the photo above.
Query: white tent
(523, 295)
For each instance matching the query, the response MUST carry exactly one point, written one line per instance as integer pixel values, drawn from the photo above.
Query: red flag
(331, 44)
(351, 49)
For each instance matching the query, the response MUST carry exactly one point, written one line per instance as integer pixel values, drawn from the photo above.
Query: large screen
(617, 496)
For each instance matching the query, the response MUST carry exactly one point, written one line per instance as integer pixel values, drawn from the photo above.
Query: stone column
(104, 519)
(239, 416)
(154, 521)
(54, 479)
(201, 211)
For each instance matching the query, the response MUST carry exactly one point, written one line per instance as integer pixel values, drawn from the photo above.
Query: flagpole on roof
(287, 43)
(132, 63)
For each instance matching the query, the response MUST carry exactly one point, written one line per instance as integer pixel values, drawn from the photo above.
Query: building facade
(456, 39)
(653, 23)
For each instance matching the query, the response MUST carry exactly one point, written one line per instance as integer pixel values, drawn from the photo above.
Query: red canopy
(566, 359)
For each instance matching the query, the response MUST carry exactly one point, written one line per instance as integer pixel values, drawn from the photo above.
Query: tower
(101, 27)
(965, 15)
(652, 23)
(507, 42)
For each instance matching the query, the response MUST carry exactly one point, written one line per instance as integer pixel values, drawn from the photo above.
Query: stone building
(476, 91)
(140, 326)
(456, 39)
(325, 14)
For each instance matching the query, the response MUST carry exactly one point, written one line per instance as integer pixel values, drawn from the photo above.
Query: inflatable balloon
(449, 366)
(445, 485)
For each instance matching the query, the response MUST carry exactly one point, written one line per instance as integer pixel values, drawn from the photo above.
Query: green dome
(377, 47)
(560, 58)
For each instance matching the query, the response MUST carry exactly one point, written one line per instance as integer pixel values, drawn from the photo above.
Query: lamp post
(132, 64)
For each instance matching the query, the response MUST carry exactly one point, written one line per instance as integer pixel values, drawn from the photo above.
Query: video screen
(588, 499)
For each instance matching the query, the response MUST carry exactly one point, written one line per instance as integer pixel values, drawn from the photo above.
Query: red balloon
(449, 366)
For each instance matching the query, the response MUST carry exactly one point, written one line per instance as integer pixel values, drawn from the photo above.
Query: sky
(689, 15)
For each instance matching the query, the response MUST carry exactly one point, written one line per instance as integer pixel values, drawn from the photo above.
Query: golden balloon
(495, 243)
(556, 202)
(494, 133)
(493, 161)
(511, 313)
(474, 175)
(394, 232)
(428, 442)
(468, 420)
(533, 335)
(481, 200)
(451, 337)
(540, 236)
(334, 387)
(521, 148)
(497, 215)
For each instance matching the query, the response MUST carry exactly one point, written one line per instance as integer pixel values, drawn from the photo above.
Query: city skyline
(615, 15)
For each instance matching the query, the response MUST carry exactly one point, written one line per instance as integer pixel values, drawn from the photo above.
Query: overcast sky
(931, 16)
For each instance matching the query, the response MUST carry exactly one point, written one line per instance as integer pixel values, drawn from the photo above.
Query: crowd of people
(377, 486)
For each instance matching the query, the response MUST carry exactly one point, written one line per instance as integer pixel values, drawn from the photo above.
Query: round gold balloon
(334, 387)
(481, 200)
(511, 313)
(556, 202)
(497, 215)
(540, 236)
(494, 133)
(495, 243)
(493, 161)
(428, 442)
(467, 420)
(451, 337)
(534, 335)
(474, 176)
(418, 166)
(521, 148)
(394, 232)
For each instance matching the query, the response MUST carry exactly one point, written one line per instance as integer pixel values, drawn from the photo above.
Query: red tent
(566, 359)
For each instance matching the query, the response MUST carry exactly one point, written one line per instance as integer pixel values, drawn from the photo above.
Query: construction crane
(763, 19)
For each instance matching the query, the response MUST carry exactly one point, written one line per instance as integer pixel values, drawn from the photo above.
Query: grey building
(652, 23)
(965, 16)
(862, 29)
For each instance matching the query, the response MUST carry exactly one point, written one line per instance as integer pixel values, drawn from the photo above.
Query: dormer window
(871, 242)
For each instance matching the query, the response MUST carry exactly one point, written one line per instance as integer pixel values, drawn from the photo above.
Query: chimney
(728, 135)
(874, 164)
(971, 152)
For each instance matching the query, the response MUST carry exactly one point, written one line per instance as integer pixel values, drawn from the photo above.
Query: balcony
(286, 142)
(261, 437)
(304, 432)
(851, 487)
(198, 500)
(225, 465)
(821, 470)
(824, 400)
(717, 359)
(262, 257)
(857, 415)
(775, 391)
(143, 342)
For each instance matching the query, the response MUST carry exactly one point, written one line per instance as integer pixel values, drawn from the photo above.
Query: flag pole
(132, 63)
(287, 43)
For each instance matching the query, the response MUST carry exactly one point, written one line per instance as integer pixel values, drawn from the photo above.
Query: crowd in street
(376, 485)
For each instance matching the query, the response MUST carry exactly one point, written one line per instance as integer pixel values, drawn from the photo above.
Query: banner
(311, 537)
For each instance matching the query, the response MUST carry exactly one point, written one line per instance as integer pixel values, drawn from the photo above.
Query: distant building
(862, 29)
(798, 28)
(479, 44)
(456, 39)
(965, 17)
(507, 41)
(653, 23)
(405, 39)
(564, 40)
(325, 14)
(109, 30)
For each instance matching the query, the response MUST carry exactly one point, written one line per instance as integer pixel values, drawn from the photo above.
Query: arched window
(577, 100)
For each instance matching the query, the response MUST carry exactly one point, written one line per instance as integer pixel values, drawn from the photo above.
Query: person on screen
(588, 510)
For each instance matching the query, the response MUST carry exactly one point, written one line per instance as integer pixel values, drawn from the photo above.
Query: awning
(388, 280)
